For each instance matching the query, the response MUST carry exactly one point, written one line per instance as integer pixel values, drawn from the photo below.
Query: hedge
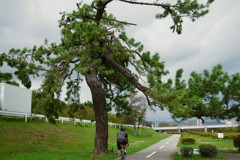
(215, 134)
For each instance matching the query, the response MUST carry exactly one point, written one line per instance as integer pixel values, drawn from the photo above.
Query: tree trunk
(99, 105)
(135, 129)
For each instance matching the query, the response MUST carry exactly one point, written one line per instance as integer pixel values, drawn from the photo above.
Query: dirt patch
(17, 132)
(12, 131)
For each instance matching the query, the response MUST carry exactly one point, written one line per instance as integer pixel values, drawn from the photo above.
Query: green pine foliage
(90, 35)
(213, 94)
(95, 47)
(7, 78)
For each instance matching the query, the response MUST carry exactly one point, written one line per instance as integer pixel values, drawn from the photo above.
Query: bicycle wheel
(123, 156)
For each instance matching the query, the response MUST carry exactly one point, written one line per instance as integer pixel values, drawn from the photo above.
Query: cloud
(158, 114)
(210, 40)
(29, 22)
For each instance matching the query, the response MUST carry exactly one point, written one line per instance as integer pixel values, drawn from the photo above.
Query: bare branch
(148, 4)
(119, 21)
(148, 100)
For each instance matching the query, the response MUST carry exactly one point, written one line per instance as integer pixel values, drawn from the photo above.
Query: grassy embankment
(37, 140)
(223, 145)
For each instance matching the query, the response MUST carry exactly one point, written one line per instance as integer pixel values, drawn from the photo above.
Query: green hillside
(37, 140)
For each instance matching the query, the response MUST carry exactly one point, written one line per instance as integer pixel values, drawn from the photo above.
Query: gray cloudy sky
(210, 40)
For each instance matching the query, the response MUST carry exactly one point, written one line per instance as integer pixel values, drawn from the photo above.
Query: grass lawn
(223, 145)
(37, 140)
(195, 157)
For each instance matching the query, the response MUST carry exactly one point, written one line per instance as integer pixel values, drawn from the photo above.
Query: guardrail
(194, 127)
(62, 119)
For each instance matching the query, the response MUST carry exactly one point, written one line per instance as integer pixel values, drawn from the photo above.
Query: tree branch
(39, 69)
(100, 9)
(226, 111)
(222, 113)
(119, 21)
(148, 4)
(139, 55)
(124, 72)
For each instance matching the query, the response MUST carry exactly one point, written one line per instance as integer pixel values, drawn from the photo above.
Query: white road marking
(161, 147)
(166, 142)
(172, 138)
(151, 154)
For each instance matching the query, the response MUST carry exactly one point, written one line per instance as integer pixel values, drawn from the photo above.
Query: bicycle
(122, 153)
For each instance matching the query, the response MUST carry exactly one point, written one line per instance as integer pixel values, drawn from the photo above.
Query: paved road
(162, 150)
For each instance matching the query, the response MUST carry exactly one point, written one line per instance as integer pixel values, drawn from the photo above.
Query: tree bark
(99, 105)
(135, 129)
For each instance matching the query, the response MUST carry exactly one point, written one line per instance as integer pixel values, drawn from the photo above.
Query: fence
(62, 119)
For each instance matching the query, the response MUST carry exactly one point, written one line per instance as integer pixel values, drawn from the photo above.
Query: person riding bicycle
(122, 139)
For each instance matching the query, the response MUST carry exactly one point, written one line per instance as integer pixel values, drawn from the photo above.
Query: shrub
(215, 135)
(238, 128)
(231, 135)
(236, 143)
(187, 140)
(186, 151)
(185, 135)
(208, 150)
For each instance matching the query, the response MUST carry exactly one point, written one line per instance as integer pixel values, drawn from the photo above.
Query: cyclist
(122, 139)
